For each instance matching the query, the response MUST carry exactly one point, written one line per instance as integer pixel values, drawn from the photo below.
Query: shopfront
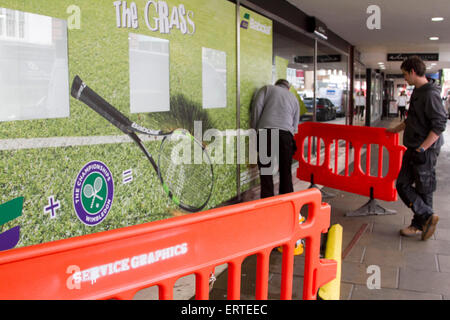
(164, 65)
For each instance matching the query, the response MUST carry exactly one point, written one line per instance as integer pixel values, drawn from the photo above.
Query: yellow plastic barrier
(332, 290)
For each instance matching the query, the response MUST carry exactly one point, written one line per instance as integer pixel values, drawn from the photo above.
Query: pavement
(379, 264)
(408, 268)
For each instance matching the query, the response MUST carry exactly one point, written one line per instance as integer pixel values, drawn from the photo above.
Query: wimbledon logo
(93, 193)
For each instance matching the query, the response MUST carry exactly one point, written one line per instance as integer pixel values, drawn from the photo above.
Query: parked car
(325, 109)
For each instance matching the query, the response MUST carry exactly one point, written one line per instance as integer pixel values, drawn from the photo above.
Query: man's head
(283, 83)
(413, 69)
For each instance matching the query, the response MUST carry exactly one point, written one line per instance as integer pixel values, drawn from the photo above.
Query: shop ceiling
(405, 27)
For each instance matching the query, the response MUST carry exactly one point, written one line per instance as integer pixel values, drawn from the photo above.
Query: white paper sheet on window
(214, 78)
(34, 73)
(149, 74)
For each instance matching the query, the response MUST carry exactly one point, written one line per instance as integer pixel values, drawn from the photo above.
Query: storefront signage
(320, 59)
(251, 23)
(403, 56)
(158, 17)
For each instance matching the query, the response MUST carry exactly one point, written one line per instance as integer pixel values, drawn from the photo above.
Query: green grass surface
(37, 174)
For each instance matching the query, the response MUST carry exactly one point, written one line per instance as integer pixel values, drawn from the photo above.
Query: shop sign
(403, 56)
(300, 73)
(251, 23)
(320, 59)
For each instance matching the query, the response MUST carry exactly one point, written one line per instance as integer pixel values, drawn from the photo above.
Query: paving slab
(363, 293)
(443, 263)
(424, 281)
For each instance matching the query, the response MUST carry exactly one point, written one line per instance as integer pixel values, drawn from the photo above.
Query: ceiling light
(434, 38)
(437, 19)
(433, 64)
(380, 62)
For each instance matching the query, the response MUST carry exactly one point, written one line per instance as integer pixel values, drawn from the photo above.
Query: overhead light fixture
(437, 19)
(434, 38)
(380, 62)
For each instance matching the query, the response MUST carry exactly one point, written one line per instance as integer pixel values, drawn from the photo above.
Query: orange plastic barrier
(118, 263)
(358, 182)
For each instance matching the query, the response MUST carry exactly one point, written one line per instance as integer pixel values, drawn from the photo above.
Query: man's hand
(397, 128)
(391, 130)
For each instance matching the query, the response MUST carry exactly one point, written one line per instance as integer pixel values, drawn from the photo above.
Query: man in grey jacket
(423, 138)
(275, 115)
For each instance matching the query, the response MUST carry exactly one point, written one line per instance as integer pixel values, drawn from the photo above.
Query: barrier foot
(370, 208)
(325, 195)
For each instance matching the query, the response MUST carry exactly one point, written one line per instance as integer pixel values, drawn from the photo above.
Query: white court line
(59, 142)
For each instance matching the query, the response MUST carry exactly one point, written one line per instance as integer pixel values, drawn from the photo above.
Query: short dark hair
(283, 82)
(414, 63)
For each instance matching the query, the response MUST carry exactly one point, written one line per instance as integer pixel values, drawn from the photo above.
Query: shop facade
(164, 64)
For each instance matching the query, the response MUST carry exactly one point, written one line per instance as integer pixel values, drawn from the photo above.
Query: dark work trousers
(402, 112)
(416, 183)
(286, 149)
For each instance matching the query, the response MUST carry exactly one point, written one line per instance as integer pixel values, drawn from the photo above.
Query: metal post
(315, 95)
(238, 100)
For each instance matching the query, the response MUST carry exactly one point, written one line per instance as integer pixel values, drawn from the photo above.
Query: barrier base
(370, 208)
(325, 195)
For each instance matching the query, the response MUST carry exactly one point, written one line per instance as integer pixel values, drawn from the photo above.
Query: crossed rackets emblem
(91, 191)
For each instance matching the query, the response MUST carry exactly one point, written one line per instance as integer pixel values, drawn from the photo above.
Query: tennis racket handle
(82, 92)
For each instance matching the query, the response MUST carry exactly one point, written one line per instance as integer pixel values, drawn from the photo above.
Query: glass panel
(294, 61)
(332, 84)
(376, 97)
(33, 55)
(359, 95)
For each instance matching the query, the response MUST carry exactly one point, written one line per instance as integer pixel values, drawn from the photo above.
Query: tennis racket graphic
(188, 185)
(91, 191)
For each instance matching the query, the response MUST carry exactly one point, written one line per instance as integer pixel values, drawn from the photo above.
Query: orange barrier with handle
(359, 182)
(118, 263)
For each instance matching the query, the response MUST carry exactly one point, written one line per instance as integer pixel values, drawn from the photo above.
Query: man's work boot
(429, 227)
(409, 231)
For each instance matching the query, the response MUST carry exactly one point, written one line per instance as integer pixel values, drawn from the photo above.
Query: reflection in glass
(149, 74)
(34, 81)
(332, 79)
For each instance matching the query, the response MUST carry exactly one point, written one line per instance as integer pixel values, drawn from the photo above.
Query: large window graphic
(34, 81)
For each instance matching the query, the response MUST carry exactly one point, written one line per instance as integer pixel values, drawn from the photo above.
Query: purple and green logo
(93, 193)
(244, 23)
(9, 211)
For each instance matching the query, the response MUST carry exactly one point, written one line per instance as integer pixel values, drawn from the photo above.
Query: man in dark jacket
(423, 138)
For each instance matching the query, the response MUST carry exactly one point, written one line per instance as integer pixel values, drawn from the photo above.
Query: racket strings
(191, 183)
(195, 176)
